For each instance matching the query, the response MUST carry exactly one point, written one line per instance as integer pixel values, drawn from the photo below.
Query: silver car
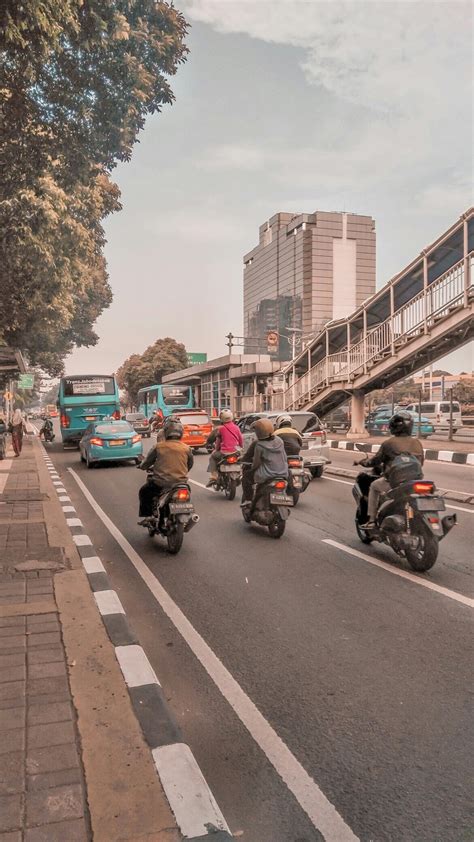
(315, 450)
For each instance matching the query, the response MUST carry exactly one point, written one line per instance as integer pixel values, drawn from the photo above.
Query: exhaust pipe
(192, 522)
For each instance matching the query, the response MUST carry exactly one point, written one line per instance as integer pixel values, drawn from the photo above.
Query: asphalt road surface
(333, 694)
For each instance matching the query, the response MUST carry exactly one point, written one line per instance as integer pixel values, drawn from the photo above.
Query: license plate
(117, 443)
(281, 500)
(430, 504)
(195, 433)
(181, 508)
(229, 469)
(90, 417)
(297, 482)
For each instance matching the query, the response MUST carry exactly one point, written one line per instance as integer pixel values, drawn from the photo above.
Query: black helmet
(172, 428)
(401, 424)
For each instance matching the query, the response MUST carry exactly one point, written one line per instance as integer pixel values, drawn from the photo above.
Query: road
(346, 679)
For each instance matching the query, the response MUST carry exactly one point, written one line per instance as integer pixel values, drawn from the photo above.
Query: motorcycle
(229, 475)
(300, 478)
(173, 515)
(48, 436)
(270, 506)
(408, 518)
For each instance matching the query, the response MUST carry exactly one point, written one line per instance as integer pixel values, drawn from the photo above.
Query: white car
(315, 450)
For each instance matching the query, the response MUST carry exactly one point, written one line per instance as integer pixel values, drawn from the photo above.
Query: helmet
(401, 424)
(226, 415)
(172, 428)
(283, 421)
(263, 428)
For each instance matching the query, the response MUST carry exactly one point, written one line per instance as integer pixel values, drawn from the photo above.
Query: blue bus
(166, 398)
(84, 398)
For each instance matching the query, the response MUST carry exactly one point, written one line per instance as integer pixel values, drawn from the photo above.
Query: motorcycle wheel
(363, 534)
(230, 489)
(296, 497)
(424, 557)
(246, 514)
(151, 531)
(175, 538)
(317, 471)
(277, 528)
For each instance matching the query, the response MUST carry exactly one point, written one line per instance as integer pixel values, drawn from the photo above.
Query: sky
(285, 105)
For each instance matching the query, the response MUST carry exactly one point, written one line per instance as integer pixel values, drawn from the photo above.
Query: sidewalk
(73, 762)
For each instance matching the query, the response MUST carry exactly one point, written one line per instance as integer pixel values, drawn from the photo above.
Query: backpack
(403, 468)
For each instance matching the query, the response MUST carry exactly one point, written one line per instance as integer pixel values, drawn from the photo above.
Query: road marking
(64, 499)
(192, 803)
(108, 603)
(68, 508)
(311, 799)
(460, 509)
(201, 485)
(333, 479)
(458, 597)
(135, 666)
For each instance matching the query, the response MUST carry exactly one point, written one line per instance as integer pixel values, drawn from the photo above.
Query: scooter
(229, 475)
(270, 506)
(173, 515)
(408, 519)
(48, 436)
(300, 478)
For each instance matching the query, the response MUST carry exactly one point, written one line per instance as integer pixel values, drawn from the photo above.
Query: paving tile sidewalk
(42, 793)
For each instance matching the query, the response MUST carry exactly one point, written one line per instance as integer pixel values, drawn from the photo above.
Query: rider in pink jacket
(228, 440)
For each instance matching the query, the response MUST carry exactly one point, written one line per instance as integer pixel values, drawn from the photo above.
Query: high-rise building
(307, 269)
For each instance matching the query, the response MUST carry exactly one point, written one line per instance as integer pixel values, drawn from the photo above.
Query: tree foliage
(464, 391)
(77, 81)
(140, 370)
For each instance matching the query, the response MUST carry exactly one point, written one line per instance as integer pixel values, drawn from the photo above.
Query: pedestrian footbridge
(422, 314)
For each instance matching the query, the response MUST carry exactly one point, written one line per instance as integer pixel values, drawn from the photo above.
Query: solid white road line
(320, 811)
(416, 580)
(448, 506)
(135, 666)
(108, 602)
(201, 485)
(82, 540)
(93, 564)
(188, 794)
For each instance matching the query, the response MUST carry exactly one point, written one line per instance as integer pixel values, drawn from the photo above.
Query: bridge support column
(357, 430)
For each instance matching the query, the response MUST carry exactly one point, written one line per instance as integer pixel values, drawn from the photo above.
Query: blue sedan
(378, 424)
(107, 441)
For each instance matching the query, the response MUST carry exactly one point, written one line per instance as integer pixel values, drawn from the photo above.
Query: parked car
(315, 450)
(197, 427)
(438, 413)
(378, 425)
(107, 441)
(139, 422)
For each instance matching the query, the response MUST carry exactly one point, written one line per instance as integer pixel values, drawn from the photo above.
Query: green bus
(83, 399)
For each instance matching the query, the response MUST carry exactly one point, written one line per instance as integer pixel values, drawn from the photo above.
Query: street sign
(195, 359)
(26, 381)
(272, 342)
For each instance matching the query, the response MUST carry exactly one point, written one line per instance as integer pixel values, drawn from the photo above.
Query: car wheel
(81, 455)
(317, 471)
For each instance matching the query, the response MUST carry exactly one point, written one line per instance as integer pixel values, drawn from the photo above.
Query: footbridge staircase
(422, 314)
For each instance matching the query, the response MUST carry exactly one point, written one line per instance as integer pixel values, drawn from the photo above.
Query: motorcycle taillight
(182, 494)
(423, 487)
(231, 460)
(280, 484)
(294, 463)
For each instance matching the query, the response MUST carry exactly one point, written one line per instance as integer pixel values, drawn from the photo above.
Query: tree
(163, 357)
(77, 80)
(464, 390)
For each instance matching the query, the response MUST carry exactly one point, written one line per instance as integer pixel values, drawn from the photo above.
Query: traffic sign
(26, 381)
(195, 359)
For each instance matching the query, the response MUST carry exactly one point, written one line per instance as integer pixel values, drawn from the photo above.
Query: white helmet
(283, 420)
(226, 415)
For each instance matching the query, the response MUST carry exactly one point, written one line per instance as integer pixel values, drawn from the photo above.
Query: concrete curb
(448, 494)
(196, 812)
(433, 455)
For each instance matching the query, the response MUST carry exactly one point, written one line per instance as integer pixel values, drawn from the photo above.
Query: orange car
(197, 427)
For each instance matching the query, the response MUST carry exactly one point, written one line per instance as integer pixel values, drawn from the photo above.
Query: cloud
(234, 156)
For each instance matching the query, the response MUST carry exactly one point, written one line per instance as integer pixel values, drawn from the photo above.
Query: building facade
(306, 270)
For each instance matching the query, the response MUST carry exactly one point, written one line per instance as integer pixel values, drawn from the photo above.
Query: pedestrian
(18, 427)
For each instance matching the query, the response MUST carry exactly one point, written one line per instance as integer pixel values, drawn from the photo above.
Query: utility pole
(450, 436)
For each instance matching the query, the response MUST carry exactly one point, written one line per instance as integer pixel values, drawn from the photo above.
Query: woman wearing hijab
(18, 427)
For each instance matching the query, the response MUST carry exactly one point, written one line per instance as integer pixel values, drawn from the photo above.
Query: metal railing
(413, 319)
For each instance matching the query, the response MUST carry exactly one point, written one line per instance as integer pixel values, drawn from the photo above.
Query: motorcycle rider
(267, 459)
(401, 441)
(171, 461)
(292, 439)
(47, 428)
(228, 439)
